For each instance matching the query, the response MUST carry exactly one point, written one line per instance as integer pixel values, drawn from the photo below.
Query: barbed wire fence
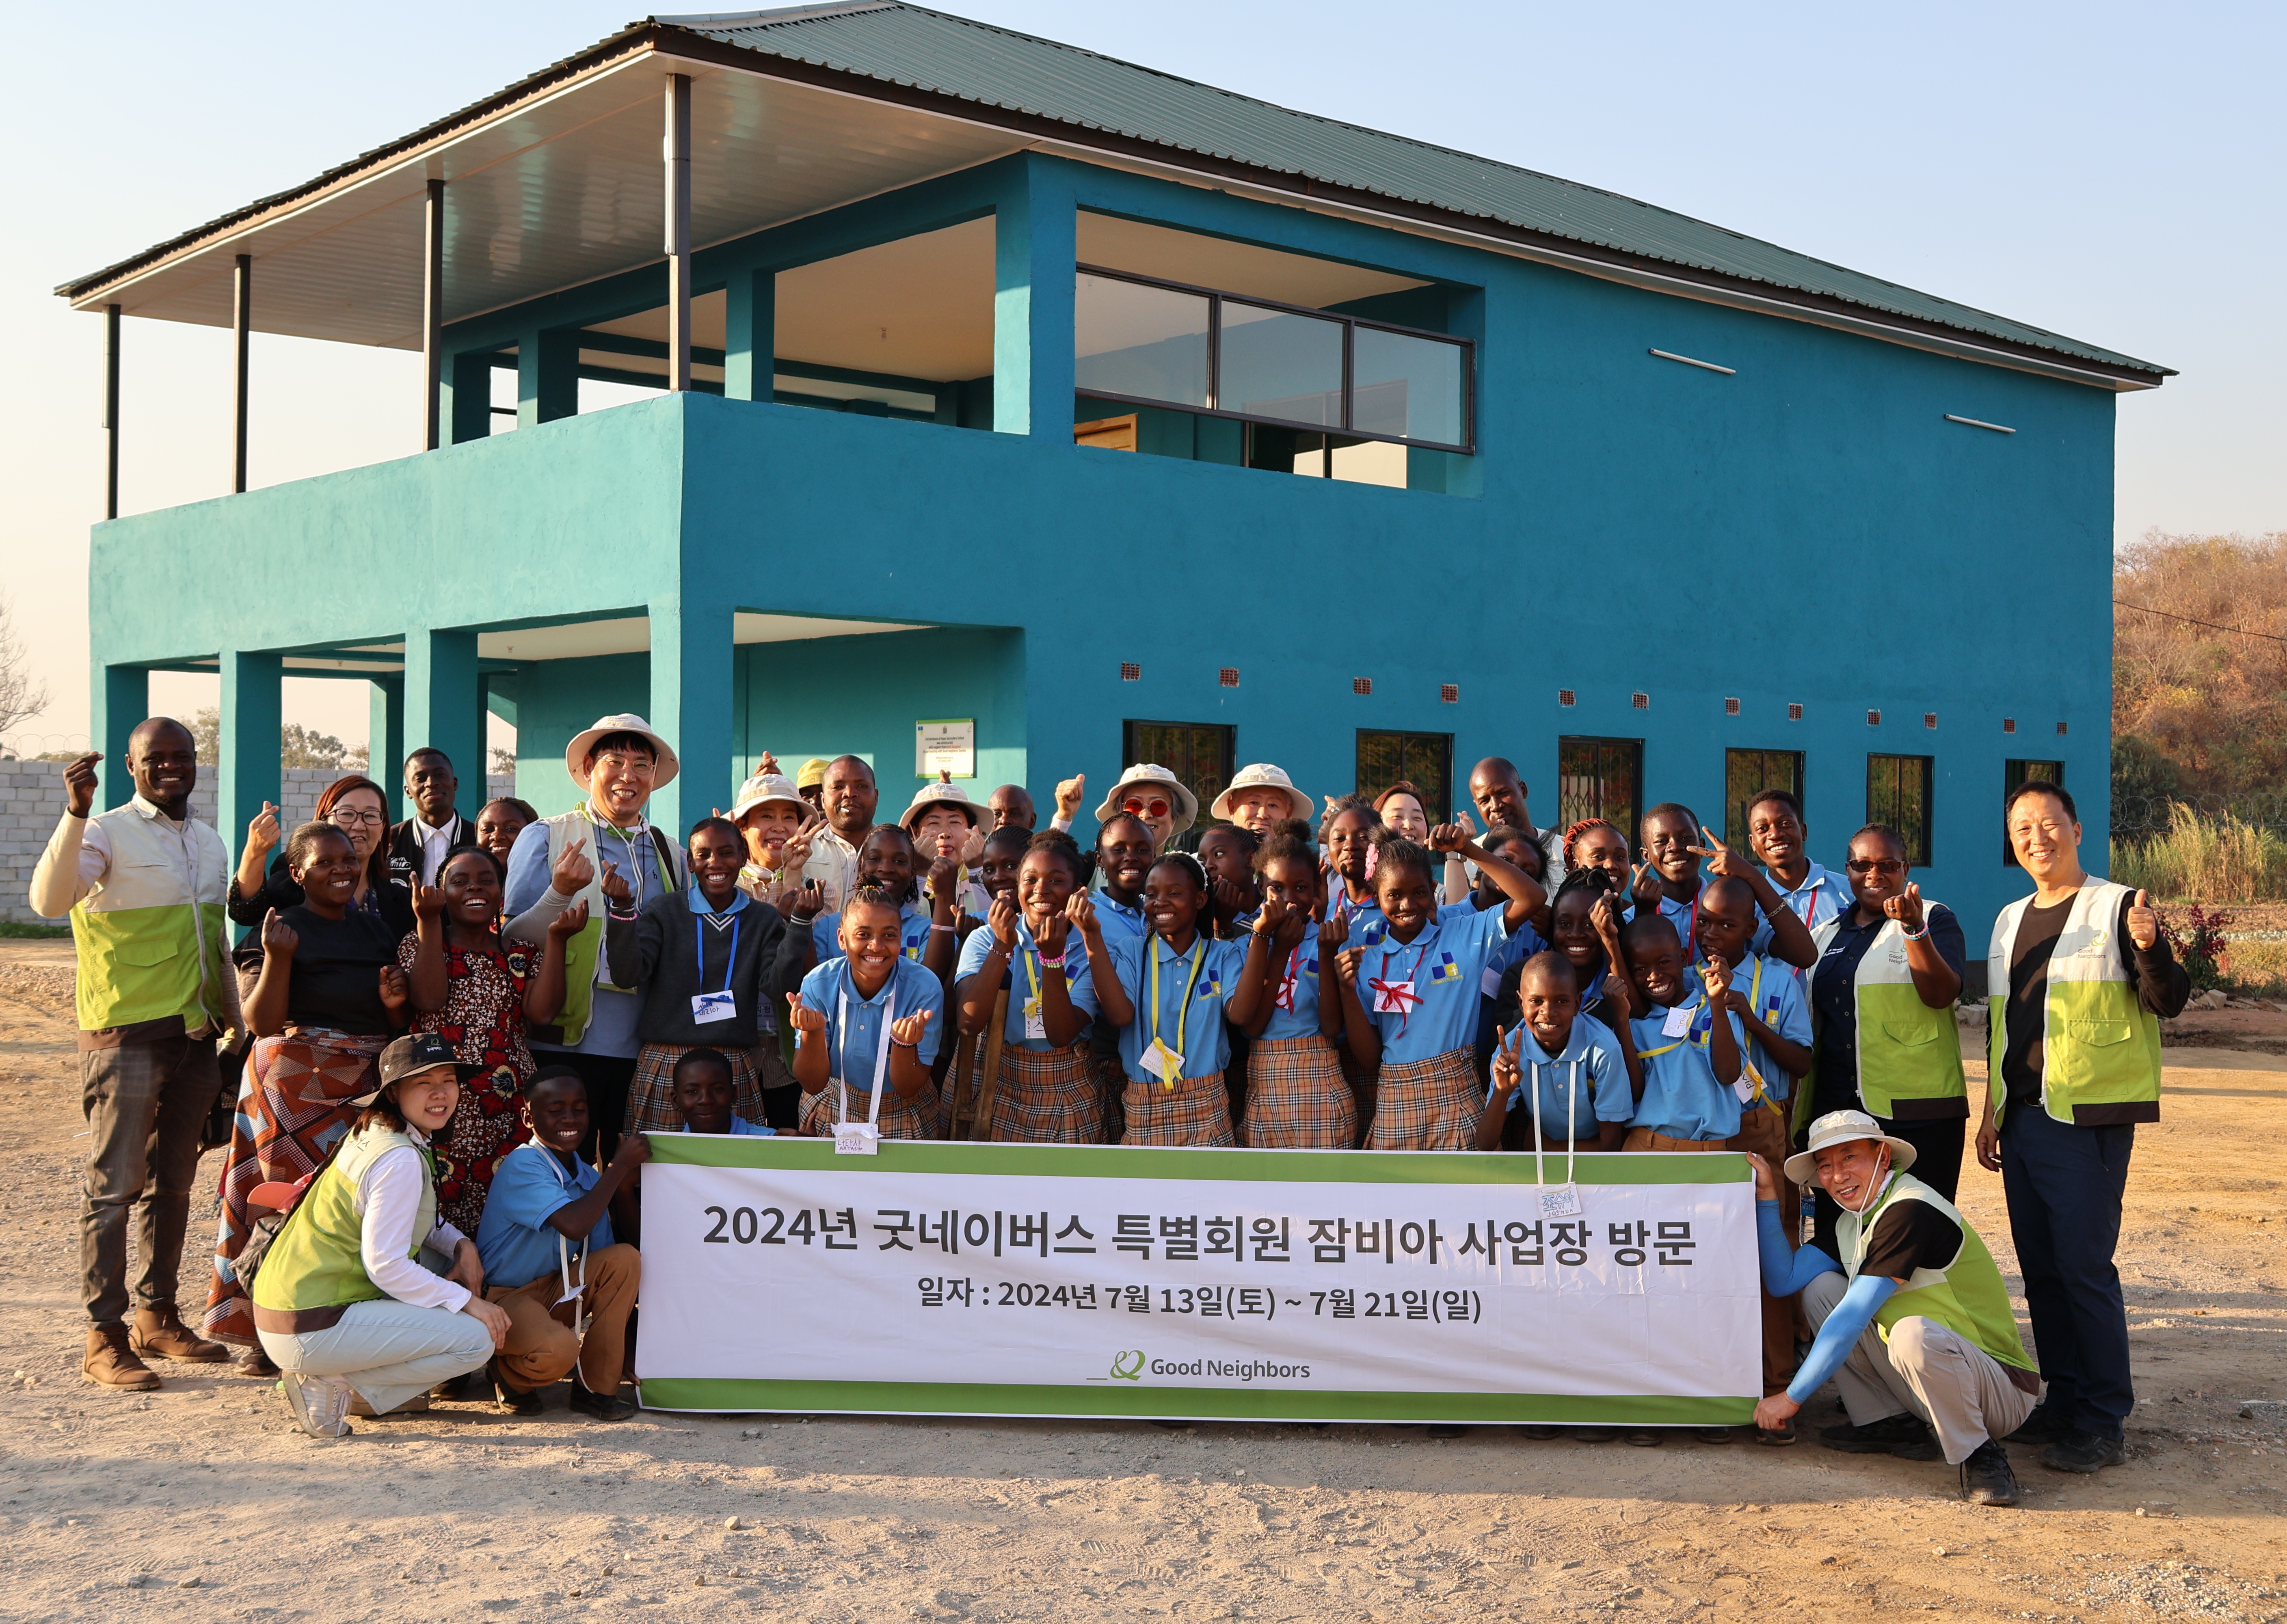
(22, 746)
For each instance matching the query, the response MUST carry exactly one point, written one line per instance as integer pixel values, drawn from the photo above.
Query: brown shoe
(255, 1364)
(161, 1331)
(111, 1362)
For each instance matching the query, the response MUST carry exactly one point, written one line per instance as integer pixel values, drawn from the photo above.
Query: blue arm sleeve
(1785, 1270)
(1843, 1327)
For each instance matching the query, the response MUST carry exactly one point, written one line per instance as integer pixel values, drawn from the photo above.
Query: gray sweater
(658, 953)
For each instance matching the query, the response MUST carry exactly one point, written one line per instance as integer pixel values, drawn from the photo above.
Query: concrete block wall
(32, 799)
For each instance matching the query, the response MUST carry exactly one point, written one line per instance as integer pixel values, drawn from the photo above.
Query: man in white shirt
(420, 846)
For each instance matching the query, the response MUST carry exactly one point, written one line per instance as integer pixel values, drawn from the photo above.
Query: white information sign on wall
(1049, 1280)
(946, 747)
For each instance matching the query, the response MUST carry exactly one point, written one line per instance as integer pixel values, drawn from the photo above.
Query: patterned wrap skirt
(1196, 1111)
(487, 1123)
(1297, 1098)
(651, 1096)
(293, 1104)
(900, 1119)
(1047, 1097)
(1428, 1105)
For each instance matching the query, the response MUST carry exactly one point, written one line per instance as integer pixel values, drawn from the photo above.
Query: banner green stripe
(1142, 1161)
(1127, 1401)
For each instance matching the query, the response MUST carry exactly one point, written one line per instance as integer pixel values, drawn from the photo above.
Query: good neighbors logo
(1132, 1364)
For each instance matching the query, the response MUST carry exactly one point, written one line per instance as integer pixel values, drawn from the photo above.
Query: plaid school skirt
(1297, 1098)
(1428, 1105)
(1196, 1111)
(1047, 1097)
(651, 1097)
(1361, 1079)
(901, 1118)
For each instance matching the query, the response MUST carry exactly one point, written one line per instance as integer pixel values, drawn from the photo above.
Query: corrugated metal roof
(996, 68)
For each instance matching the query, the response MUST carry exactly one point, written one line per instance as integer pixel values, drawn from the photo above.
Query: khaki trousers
(1764, 1131)
(1960, 1389)
(542, 1344)
(1644, 1138)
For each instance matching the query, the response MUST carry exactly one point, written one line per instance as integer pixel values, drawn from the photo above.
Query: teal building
(834, 378)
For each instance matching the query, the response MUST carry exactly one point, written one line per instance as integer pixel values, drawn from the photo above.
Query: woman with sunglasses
(1881, 998)
(1160, 800)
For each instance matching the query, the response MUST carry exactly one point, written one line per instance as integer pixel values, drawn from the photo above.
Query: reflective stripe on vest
(1966, 1295)
(1905, 1050)
(2099, 1045)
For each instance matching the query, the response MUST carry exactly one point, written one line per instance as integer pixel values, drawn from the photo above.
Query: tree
(2199, 669)
(297, 745)
(503, 763)
(22, 696)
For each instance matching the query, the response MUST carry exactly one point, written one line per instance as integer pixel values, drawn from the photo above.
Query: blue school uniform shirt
(1824, 894)
(1117, 920)
(852, 1052)
(1681, 1097)
(1023, 969)
(1204, 1044)
(740, 1128)
(530, 1186)
(913, 932)
(1293, 981)
(1445, 965)
(1368, 924)
(1589, 1080)
(1775, 996)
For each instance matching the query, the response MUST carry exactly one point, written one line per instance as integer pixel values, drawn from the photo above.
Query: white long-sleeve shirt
(387, 1202)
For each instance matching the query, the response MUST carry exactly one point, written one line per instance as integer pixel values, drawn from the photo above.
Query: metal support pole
(678, 149)
(432, 317)
(111, 410)
(240, 324)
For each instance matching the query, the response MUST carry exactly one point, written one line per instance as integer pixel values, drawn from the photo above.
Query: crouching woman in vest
(343, 1302)
(1884, 1042)
(1912, 1322)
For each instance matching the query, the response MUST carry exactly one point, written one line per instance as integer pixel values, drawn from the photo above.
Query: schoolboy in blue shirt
(1575, 1067)
(1684, 1061)
(1812, 892)
(705, 1094)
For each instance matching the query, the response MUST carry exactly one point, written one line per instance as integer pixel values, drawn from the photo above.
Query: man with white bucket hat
(1913, 1323)
(1259, 796)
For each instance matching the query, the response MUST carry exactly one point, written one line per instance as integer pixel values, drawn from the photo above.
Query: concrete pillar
(121, 698)
(251, 719)
(690, 706)
(444, 710)
(468, 409)
(547, 377)
(386, 736)
(751, 312)
(1034, 222)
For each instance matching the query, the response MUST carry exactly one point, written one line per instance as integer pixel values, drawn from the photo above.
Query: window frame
(1466, 447)
(1131, 753)
(1736, 837)
(1928, 857)
(2013, 774)
(1637, 800)
(1441, 809)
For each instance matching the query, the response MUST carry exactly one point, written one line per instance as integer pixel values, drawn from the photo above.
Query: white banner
(908, 1282)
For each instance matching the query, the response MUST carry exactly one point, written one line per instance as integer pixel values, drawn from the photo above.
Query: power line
(2189, 620)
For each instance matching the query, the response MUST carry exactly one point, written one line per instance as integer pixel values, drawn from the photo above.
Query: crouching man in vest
(2077, 983)
(1913, 1323)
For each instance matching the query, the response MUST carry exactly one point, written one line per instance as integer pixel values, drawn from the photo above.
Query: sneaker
(1541, 1430)
(1713, 1435)
(2085, 1451)
(1594, 1435)
(1986, 1479)
(1903, 1435)
(1643, 1438)
(319, 1403)
(1444, 1429)
(1779, 1436)
(600, 1406)
(2043, 1426)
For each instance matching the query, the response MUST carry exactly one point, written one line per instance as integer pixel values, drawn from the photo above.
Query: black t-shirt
(1910, 1235)
(337, 976)
(2159, 980)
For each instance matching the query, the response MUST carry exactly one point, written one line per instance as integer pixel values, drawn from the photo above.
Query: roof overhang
(556, 182)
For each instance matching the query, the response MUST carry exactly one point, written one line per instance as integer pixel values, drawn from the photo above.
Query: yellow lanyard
(1199, 957)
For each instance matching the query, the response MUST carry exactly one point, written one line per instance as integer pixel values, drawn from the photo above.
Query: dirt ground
(205, 1503)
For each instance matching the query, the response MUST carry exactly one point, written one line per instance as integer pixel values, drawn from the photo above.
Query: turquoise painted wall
(558, 699)
(1809, 530)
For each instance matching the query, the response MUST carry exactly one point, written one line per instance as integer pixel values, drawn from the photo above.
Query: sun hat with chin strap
(1840, 1128)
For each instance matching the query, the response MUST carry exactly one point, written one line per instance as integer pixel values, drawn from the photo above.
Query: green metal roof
(931, 52)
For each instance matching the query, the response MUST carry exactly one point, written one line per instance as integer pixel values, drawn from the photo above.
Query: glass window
(1423, 760)
(1898, 793)
(1275, 363)
(1748, 772)
(1406, 386)
(1198, 752)
(2014, 773)
(1130, 339)
(1600, 777)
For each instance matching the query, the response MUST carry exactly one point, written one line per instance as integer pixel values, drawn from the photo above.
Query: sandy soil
(203, 1499)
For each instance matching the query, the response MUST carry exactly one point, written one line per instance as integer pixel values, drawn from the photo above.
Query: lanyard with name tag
(711, 1006)
(861, 1139)
(1158, 1059)
(1036, 1020)
(1563, 1201)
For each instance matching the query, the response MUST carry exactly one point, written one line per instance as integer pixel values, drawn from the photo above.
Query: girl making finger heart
(1045, 1091)
(867, 1025)
(1297, 1096)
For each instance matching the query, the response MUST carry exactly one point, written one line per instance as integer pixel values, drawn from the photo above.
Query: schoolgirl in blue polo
(858, 1013)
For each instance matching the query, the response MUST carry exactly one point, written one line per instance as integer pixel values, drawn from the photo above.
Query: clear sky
(2111, 172)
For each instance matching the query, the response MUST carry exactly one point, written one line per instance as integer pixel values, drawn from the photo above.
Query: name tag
(1036, 1022)
(1561, 1202)
(857, 1138)
(1489, 983)
(710, 1006)
(1678, 1021)
(1164, 1063)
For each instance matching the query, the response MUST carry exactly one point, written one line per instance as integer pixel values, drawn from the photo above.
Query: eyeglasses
(1875, 866)
(351, 815)
(1137, 807)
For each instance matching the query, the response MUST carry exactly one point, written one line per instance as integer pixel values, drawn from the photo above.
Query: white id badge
(1390, 1000)
(1036, 1022)
(1560, 1201)
(572, 1296)
(1744, 1088)
(1164, 1063)
(1489, 983)
(710, 1006)
(1678, 1021)
(857, 1138)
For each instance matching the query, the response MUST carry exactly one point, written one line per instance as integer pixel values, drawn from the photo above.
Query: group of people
(453, 1040)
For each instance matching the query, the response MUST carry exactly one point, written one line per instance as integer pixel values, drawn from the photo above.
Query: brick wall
(32, 799)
